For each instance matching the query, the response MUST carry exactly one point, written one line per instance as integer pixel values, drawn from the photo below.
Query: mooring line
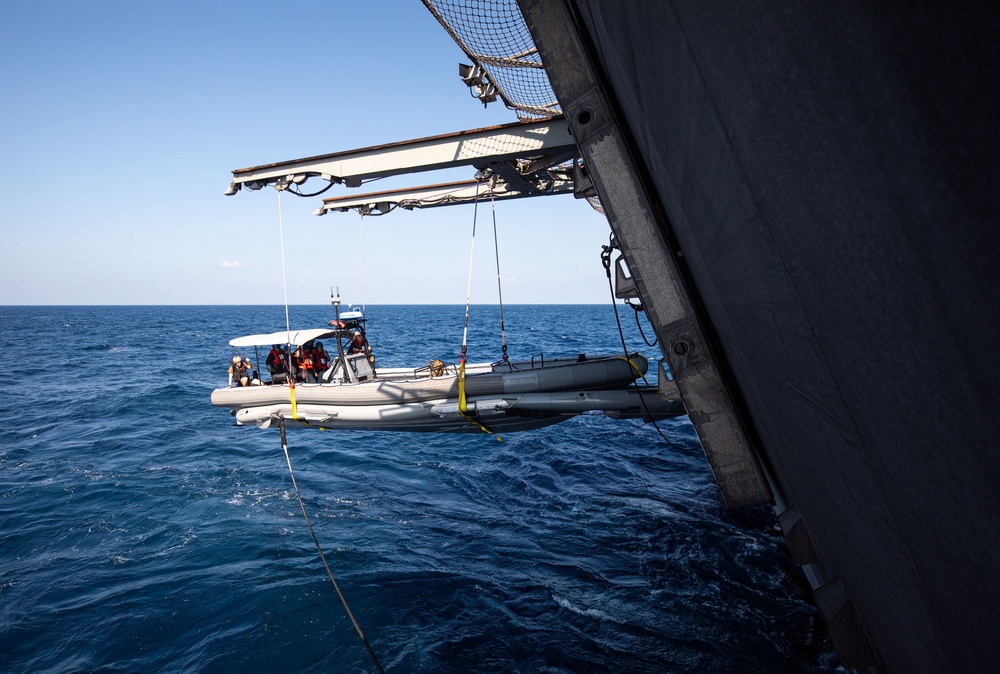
(357, 627)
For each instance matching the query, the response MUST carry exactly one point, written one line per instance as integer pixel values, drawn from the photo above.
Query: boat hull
(499, 414)
(504, 396)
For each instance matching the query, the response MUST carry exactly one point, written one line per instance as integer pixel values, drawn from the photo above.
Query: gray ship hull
(826, 181)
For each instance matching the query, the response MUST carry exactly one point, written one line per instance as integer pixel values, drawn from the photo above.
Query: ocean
(142, 531)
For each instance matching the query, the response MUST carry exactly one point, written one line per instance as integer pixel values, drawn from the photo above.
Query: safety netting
(494, 36)
(492, 33)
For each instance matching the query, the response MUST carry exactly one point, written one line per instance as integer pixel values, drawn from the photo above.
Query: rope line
(343, 600)
(496, 249)
(279, 187)
(468, 292)
(463, 409)
(284, 278)
(364, 309)
(637, 309)
(606, 260)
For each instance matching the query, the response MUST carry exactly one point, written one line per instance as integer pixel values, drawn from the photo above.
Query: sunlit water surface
(143, 531)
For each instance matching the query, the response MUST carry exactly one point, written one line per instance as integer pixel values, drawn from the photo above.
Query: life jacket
(320, 360)
(276, 359)
(358, 345)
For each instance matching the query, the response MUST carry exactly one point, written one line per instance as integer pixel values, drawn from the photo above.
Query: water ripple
(143, 531)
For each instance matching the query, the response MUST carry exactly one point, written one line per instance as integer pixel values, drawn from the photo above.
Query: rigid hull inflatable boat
(502, 396)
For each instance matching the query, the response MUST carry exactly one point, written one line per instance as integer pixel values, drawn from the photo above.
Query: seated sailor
(276, 362)
(239, 372)
(320, 360)
(358, 343)
(302, 363)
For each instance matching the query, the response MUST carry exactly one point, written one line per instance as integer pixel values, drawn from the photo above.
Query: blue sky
(122, 121)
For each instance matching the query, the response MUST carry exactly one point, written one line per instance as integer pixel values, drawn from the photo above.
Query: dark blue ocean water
(140, 530)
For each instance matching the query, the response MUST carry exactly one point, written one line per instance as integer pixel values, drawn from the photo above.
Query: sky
(121, 122)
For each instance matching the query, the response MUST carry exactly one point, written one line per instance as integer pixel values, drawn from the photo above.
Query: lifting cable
(357, 627)
(279, 186)
(463, 409)
(496, 249)
(364, 309)
(606, 261)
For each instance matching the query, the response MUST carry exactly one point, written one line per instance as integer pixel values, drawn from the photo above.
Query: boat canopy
(295, 337)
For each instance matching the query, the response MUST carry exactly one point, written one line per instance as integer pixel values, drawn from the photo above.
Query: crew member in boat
(239, 372)
(302, 362)
(276, 362)
(320, 360)
(358, 343)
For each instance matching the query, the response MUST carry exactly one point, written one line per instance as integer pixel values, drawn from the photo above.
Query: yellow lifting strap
(291, 392)
(463, 408)
(635, 367)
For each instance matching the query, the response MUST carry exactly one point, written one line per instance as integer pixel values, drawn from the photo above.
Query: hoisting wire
(606, 261)
(280, 186)
(463, 409)
(496, 249)
(357, 627)
(364, 313)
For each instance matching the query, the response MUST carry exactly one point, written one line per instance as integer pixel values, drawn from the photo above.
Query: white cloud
(235, 263)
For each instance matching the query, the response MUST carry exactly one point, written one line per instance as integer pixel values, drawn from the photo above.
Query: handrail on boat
(509, 363)
(541, 356)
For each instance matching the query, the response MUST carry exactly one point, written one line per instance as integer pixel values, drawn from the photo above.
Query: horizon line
(326, 304)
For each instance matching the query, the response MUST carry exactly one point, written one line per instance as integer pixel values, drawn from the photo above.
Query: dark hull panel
(830, 177)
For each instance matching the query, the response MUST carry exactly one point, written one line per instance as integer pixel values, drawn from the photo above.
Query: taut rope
(280, 186)
(496, 248)
(462, 403)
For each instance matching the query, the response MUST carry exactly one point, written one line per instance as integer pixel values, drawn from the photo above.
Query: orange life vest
(276, 359)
